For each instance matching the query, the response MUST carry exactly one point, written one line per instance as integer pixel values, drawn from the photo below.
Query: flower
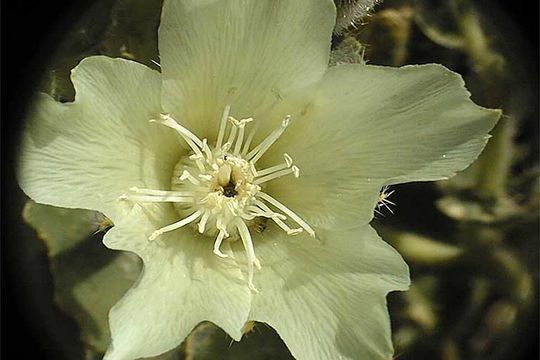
(248, 152)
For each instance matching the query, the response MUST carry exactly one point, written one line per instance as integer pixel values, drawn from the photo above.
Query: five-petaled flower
(245, 173)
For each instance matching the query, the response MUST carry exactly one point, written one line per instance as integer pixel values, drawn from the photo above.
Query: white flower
(246, 151)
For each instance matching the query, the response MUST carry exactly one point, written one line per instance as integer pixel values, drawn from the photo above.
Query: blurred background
(472, 242)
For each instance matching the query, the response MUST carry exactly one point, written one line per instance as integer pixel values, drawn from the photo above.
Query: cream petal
(327, 301)
(370, 126)
(245, 53)
(183, 283)
(87, 153)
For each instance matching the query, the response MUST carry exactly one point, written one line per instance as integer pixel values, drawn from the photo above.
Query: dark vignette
(32, 325)
(31, 31)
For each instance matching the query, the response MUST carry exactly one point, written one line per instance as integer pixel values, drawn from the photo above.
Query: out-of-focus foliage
(471, 242)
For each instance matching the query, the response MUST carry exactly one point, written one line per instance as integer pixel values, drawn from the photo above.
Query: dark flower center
(229, 190)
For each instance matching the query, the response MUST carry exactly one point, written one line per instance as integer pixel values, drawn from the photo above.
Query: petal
(370, 126)
(62, 229)
(182, 284)
(247, 54)
(327, 301)
(87, 153)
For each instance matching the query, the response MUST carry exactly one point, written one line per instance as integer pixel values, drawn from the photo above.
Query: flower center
(219, 189)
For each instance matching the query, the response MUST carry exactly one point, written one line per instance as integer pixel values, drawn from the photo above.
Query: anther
(295, 171)
(288, 159)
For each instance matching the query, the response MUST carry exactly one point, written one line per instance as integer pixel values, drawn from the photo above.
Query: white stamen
(285, 227)
(232, 132)
(232, 208)
(221, 226)
(207, 150)
(293, 170)
(217, 245)
(247, 144)
(202, 224)
(255, 154)
(241, 125)
(250, 253)
(269, 211)
(222, 126)
(186, 175)
(176, 225)
(288, 159)
(144, 191)
(188, 136)
(205, 177)
(157, 198)
(226, 147)
(198, 158)
(287, 211)
(272, 169)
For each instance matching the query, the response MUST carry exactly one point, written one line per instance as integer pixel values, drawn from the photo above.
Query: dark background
(30, 32)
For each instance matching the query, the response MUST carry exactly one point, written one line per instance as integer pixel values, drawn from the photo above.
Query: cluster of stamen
(220, 190)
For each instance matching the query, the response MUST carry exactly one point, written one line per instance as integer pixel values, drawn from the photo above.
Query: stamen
(285, 227)
(232, 133)
(263, 210)
(193, 141)
(207, 150)
(287, 211)
(205, 177)
(288, 159)
(250, 252)
(198, 158)
(269, 211)
(157, 198)
(186, 175)
(176, 225)
(241, 125)
(260, 149)
(293, 170)
(202, 224)
(250, 139)
(217, 245)
(253, 170)
(272, 169)
(255, 211)
(221, 226)
(232, 208)
(160, 192)
(222, 126)
(226, 147)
